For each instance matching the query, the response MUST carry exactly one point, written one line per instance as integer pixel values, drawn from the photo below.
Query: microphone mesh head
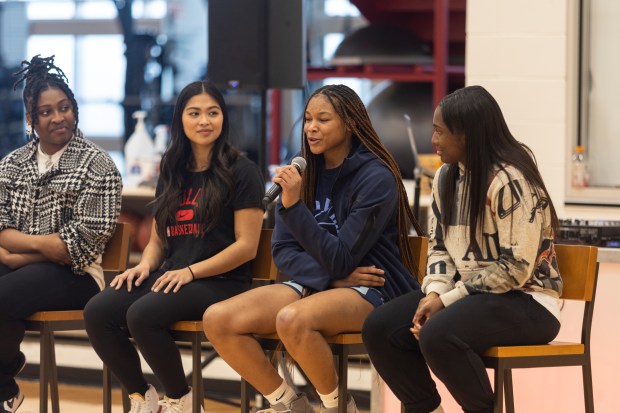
(300, 163)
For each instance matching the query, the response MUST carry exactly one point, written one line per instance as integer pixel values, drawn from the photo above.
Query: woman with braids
(341, 235)
(59, 201)
(208, 217)
(492, 278)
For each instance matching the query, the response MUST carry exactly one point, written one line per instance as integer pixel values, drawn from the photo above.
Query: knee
(379, 328)
(374, 329)
(96, 314)
(217, 321)
(140, 318)
(433, 340)
(292, 322)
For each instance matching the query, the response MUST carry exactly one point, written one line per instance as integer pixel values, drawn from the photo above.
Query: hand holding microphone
(300, 164)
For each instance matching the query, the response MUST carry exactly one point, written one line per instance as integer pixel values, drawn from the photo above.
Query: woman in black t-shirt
(208, 217)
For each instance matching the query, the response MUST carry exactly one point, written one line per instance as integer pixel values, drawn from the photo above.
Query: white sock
(331, 399)
(283, 394)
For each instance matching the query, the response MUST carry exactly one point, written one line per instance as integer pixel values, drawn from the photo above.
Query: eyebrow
(197, 108)
(65, 100)
(320, 113)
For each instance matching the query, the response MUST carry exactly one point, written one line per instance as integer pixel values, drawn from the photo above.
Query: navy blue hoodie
(365, 202)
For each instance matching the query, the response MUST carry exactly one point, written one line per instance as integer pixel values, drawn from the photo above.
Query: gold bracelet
(190, 270)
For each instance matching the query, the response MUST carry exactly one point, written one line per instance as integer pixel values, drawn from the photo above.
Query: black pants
(112, 316)
(450, 344)
(32, 288)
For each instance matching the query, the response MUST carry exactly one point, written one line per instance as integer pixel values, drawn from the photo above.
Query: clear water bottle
(580, 177)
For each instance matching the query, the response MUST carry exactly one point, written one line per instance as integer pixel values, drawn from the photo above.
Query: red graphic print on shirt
(186, 216)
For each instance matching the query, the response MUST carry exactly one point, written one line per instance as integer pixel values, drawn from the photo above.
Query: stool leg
(198, 391)
(342, 370)
(498, 402)
(107, 390)
(125, 397)
(510, 400)
(245, 396)
(588, 391)
(53, 374)
(43, 368)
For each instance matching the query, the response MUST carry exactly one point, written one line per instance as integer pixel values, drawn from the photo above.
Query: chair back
(116, 253)
(578, 268)
(419, 248)
(263, 267)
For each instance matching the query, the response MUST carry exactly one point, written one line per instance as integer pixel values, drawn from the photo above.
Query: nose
(311, 125)
(57, 116)
(203, 120)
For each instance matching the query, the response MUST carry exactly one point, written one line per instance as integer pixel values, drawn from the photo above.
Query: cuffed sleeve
(94, 217)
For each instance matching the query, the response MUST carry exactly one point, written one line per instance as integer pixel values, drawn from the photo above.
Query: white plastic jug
(139, 154)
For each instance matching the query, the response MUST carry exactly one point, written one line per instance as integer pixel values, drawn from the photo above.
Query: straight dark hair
(177, 163)
(353, 113)
(473, 112)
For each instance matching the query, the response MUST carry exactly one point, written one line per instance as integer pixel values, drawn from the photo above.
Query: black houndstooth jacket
(80, 198)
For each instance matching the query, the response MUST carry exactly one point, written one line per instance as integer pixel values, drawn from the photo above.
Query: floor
(82, 399)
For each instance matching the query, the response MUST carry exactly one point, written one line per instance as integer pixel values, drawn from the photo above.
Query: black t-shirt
(187, 243)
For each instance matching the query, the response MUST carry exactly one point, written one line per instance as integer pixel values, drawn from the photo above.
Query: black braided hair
(353, 113)
(38, 73)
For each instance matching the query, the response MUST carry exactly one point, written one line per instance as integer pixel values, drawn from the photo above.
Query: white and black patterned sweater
(80, 197)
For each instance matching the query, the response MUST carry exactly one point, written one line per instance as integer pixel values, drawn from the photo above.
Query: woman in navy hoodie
(341, 236)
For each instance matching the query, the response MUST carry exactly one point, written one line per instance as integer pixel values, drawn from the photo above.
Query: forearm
(19, 260)
(18, 242)
(153, 256)
(228, 259)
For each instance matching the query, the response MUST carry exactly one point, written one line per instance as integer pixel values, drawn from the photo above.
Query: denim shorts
(372, 295)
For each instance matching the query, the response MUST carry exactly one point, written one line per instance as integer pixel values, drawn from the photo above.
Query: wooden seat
(579, 270)
(345, 344)
(191, 331)
(114, 259)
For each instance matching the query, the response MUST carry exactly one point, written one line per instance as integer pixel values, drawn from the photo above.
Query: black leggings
(32, 288)
(112, 316)
(450, 344)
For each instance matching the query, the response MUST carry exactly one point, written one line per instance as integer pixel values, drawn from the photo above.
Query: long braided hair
(38, 73)
(352, 111)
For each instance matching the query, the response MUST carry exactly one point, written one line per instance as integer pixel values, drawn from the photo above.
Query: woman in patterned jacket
(59, 201)
(492, 277)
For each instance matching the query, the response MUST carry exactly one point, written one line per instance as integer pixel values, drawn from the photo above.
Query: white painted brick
(481, 56)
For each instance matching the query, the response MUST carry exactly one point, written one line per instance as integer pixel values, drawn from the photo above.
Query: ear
(28, 119)
(349, 126)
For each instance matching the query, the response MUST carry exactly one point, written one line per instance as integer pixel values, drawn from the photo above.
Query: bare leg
(304, 324)
(230, 324)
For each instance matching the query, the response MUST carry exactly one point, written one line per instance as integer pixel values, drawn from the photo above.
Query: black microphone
(300, 164)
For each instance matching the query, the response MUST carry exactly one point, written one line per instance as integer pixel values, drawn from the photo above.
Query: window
(87, 41)
(598, 122)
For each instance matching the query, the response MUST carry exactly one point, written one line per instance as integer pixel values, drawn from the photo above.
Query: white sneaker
(351, 407)
(299, 405)
(11, 405)
(182, 405)
(149, 403)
